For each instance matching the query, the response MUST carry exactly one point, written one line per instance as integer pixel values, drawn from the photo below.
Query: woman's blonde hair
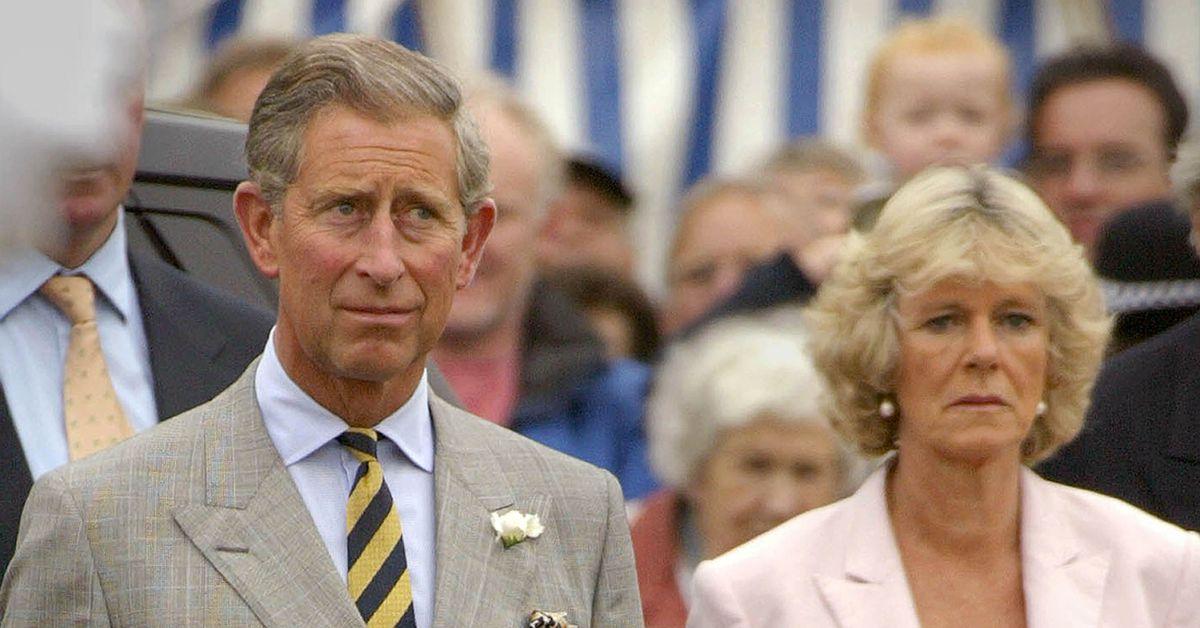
(966, 223)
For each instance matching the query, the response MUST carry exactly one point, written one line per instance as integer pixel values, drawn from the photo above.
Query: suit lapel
(479, 583)
(17, 481)
(182, 345)
(1063, 577)
(872, 589)
(254, 527)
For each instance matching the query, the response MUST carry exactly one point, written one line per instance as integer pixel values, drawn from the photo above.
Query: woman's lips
(979, 400)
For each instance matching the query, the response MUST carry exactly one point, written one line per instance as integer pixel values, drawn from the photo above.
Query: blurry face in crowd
(1099, 148)
(972, 368)
(235, 96)
(760, 475)
(945, 108)
(718, 241)
(369, 248)
(822, 201)
(584, 229)
(501, 287)
(91, 192)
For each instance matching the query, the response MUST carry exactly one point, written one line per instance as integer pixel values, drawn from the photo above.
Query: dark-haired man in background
(1105, 125)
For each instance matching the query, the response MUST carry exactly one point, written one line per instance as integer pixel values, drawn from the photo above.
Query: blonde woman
(961, 336)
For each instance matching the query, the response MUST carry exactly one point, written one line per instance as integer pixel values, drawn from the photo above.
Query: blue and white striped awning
(669, 90)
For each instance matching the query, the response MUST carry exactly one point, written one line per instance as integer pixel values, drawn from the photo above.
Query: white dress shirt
(304, 433)
(34, 335)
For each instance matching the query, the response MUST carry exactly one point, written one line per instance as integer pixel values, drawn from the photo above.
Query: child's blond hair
(937, 35)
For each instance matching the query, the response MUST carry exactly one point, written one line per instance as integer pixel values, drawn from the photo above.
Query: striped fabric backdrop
(667, 91)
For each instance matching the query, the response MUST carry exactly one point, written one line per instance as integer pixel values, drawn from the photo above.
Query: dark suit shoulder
(177, 290)
(1143, 374)
(200, 340)
(1138, 437)
(1151, 355)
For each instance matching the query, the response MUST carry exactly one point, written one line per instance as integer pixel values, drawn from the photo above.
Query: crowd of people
(945, 394)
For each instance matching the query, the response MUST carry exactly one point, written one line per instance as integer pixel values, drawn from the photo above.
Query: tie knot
(74, 295)
(360, 441)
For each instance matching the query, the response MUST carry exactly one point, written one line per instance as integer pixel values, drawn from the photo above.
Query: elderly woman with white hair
(735, 431)
(961, 335)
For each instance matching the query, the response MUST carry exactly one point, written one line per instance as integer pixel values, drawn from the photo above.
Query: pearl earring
(887, 409)
(1040, 408)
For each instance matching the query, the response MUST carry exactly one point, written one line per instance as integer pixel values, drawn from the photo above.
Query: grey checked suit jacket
(197, 522)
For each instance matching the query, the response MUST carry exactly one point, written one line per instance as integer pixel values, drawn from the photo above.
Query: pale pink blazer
(1088, 560)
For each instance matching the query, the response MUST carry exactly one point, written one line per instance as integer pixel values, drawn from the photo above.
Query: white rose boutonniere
(514, 526)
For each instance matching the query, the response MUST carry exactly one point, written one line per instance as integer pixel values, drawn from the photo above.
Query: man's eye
(699, 275)
(421, 212)
(344, 208)
(1118, 162)
(1050, 164)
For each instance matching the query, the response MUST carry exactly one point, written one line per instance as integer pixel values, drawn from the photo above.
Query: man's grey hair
(811, 154)
(489, 93)
(376, 78)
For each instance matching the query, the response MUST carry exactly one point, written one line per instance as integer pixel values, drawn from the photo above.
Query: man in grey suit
(328, 485)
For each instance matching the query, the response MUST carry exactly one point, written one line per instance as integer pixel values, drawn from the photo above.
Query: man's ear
(255, 217)
(479, 227)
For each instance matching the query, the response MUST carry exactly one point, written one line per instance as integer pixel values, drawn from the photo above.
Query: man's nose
(380, 258)
(1083, 184)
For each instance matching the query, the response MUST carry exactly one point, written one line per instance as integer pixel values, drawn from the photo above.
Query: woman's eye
(756, 465)
(939, 323)
(1017, 320)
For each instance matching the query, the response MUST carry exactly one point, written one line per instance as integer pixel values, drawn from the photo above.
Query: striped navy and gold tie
(378, 571)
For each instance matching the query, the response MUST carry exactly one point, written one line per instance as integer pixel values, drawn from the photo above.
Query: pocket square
(546, 619)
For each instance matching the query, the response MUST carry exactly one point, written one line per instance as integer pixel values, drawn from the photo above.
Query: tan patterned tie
(94, 419)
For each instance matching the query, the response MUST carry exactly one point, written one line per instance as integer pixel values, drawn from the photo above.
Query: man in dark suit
(1141, 440)
(169, 342)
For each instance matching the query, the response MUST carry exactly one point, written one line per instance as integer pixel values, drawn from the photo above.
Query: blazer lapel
(254, 527)
(479, 583)
(183, 346)
(16, 483)
(872, 589)
(1063, 577)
